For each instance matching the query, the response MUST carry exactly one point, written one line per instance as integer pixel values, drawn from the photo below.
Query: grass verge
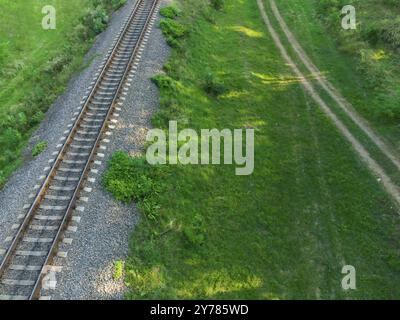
(335, 66)
(36, 64)
(364, 70)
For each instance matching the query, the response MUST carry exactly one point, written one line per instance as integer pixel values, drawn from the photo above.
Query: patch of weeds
(133, 178)
(208, 14)
(217, 4)
(171, 108)
(213, 86)
(170, 12)
(95, 20)
(39, 148)
(195, 230)
(109, 5)
(2, 179)
(57, 64)
(118, 269)
(163, 81)
(144, 279)
(116, 4)
(173, 31)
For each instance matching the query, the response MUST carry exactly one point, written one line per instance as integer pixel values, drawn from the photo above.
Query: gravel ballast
(102, 235)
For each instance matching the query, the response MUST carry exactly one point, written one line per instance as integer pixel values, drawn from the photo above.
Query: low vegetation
(173, 31)
(374, 46)
(118, 270)
(131, 178)
(39, 148)
(286, 231)
(170, 12)
(217, 4)
(36, 64)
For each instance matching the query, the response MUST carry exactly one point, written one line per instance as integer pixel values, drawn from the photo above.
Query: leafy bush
(393, 3)
(166, 82)
(39, 148)
(131, 178)
(95, 20)
(208, 14)
(116, 4)
(212, 85)
(170, 109)
(57, 64)
(109, 5)
(217, 4)
(389, 32)
(194, 231)
(2, 179)
(81, 32)
(170, 12)
(163, 81)
(172, 31)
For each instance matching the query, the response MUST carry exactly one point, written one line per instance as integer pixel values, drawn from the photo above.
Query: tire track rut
(364, 155)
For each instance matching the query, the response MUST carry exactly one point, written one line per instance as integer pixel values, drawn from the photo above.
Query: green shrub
(212, 85)
(393, 3)
(130, 178)
(208, 14)
(95, 20)
(170, 107)
(172, 31)
(109, 5)
(389, 33)
(170, 12)
(39, 148)
(217, 4)
(194, 231)
(2, 179)
(81, 32)
(163, 81)
(36, 118)
(116, 4)
(57, 64)
(10, 139)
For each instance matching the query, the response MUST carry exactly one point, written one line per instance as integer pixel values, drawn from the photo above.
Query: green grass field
(25, 51)
(343, 69)
(36, 64)
(365, 71)
(286, 231)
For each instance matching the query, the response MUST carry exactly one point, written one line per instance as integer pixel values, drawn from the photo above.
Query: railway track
(35, 244)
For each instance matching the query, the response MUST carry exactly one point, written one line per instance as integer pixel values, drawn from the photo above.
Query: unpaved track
(333, 92)
(359, 148)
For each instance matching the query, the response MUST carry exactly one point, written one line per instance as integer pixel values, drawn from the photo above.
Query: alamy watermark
(349, 280)
(211, 146)
(349, 21)
(49, 20)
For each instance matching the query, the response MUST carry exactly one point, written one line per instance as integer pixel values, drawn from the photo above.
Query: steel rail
(53, 171)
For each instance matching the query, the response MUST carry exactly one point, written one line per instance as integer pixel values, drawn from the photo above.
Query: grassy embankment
(309, 208)
(362, 63)
(35, 64)
(348, 63)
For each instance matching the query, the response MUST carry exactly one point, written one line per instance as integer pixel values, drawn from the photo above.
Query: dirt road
(376, 169)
